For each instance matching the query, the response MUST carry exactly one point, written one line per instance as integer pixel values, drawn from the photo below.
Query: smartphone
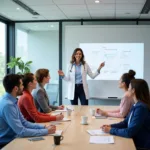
(36, 139)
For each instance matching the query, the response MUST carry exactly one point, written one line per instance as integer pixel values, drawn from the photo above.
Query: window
(38, 42)
(2, 55)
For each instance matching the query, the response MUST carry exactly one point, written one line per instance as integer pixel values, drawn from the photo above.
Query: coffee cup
(57, 139)
(92, 111)
(84, 119)
(69, 112)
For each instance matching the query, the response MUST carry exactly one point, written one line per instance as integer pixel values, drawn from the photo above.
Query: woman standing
(126, 101)
(137, 123)
(76, 77)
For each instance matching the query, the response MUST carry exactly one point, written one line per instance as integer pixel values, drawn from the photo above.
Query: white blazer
(70, 77)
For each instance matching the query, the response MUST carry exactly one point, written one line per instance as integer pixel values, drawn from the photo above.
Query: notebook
(96, 132)
(98, 116)
(101, 139)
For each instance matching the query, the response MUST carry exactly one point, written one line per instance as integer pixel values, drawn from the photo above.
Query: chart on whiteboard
(119, 58)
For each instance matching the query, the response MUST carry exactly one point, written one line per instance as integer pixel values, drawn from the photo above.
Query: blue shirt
(12, 122)
(78, 76)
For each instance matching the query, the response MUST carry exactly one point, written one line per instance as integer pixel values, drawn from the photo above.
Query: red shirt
(29, 110)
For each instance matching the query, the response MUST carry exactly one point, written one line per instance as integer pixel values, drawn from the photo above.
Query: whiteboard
(118, 58)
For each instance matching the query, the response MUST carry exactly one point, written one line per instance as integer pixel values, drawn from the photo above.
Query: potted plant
(23, 67)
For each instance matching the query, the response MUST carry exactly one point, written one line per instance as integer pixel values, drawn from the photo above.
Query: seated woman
(26, 103)
(39, 94)
(137, 123)
(126, 101)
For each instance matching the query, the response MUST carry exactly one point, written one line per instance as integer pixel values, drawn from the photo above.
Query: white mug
(84, 119)
(69, 112)
(92, 111)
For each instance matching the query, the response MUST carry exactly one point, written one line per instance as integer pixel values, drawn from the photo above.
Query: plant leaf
(23, 67)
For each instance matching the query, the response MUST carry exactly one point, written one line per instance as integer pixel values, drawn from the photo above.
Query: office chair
(52, 92)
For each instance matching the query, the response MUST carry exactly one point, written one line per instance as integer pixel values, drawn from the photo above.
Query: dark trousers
(79, 93)
(2, 145)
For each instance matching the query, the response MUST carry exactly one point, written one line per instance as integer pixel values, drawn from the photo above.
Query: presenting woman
(76, 77)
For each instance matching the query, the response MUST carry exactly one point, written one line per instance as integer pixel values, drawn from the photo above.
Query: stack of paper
(63, 110)
(101, 139)
(65, 119)
(54, 113)
(98, 116)
(58, 132)
(69, 109)
(96, 132)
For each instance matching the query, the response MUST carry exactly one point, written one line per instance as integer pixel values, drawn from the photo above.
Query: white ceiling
(74, 9)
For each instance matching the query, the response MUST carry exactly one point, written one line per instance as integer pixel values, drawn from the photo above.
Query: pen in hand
(59, 117)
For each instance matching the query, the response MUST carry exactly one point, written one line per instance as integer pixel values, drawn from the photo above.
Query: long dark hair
(73, 56)
(141, 91)
(127, 77)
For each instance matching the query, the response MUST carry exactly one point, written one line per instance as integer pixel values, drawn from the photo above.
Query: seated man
(27, 106)
(12, 122)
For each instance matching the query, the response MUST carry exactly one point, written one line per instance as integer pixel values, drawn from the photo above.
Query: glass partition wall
(38, 42)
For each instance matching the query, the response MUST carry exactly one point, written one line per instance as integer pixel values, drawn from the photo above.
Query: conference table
(75, 134)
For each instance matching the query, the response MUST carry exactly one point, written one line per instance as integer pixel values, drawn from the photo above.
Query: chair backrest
(52, 92)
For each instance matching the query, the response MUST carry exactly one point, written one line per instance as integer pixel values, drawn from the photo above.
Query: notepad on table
(60, 110)
(98, 116)
(96, 132)
(102, 139)
(65, 119)
(63, 110)
(55, 113)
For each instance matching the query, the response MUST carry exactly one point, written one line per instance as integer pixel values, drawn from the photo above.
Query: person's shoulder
(6, 105)
(69, 65)
(127, 96)
(86, 64)
(5, 100)
(24, 97)
(40, 91)
(141, 108)
(141, 104)
(38, 88)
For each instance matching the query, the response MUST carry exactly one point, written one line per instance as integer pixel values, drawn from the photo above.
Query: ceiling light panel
(26, 7)
(100, 2)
